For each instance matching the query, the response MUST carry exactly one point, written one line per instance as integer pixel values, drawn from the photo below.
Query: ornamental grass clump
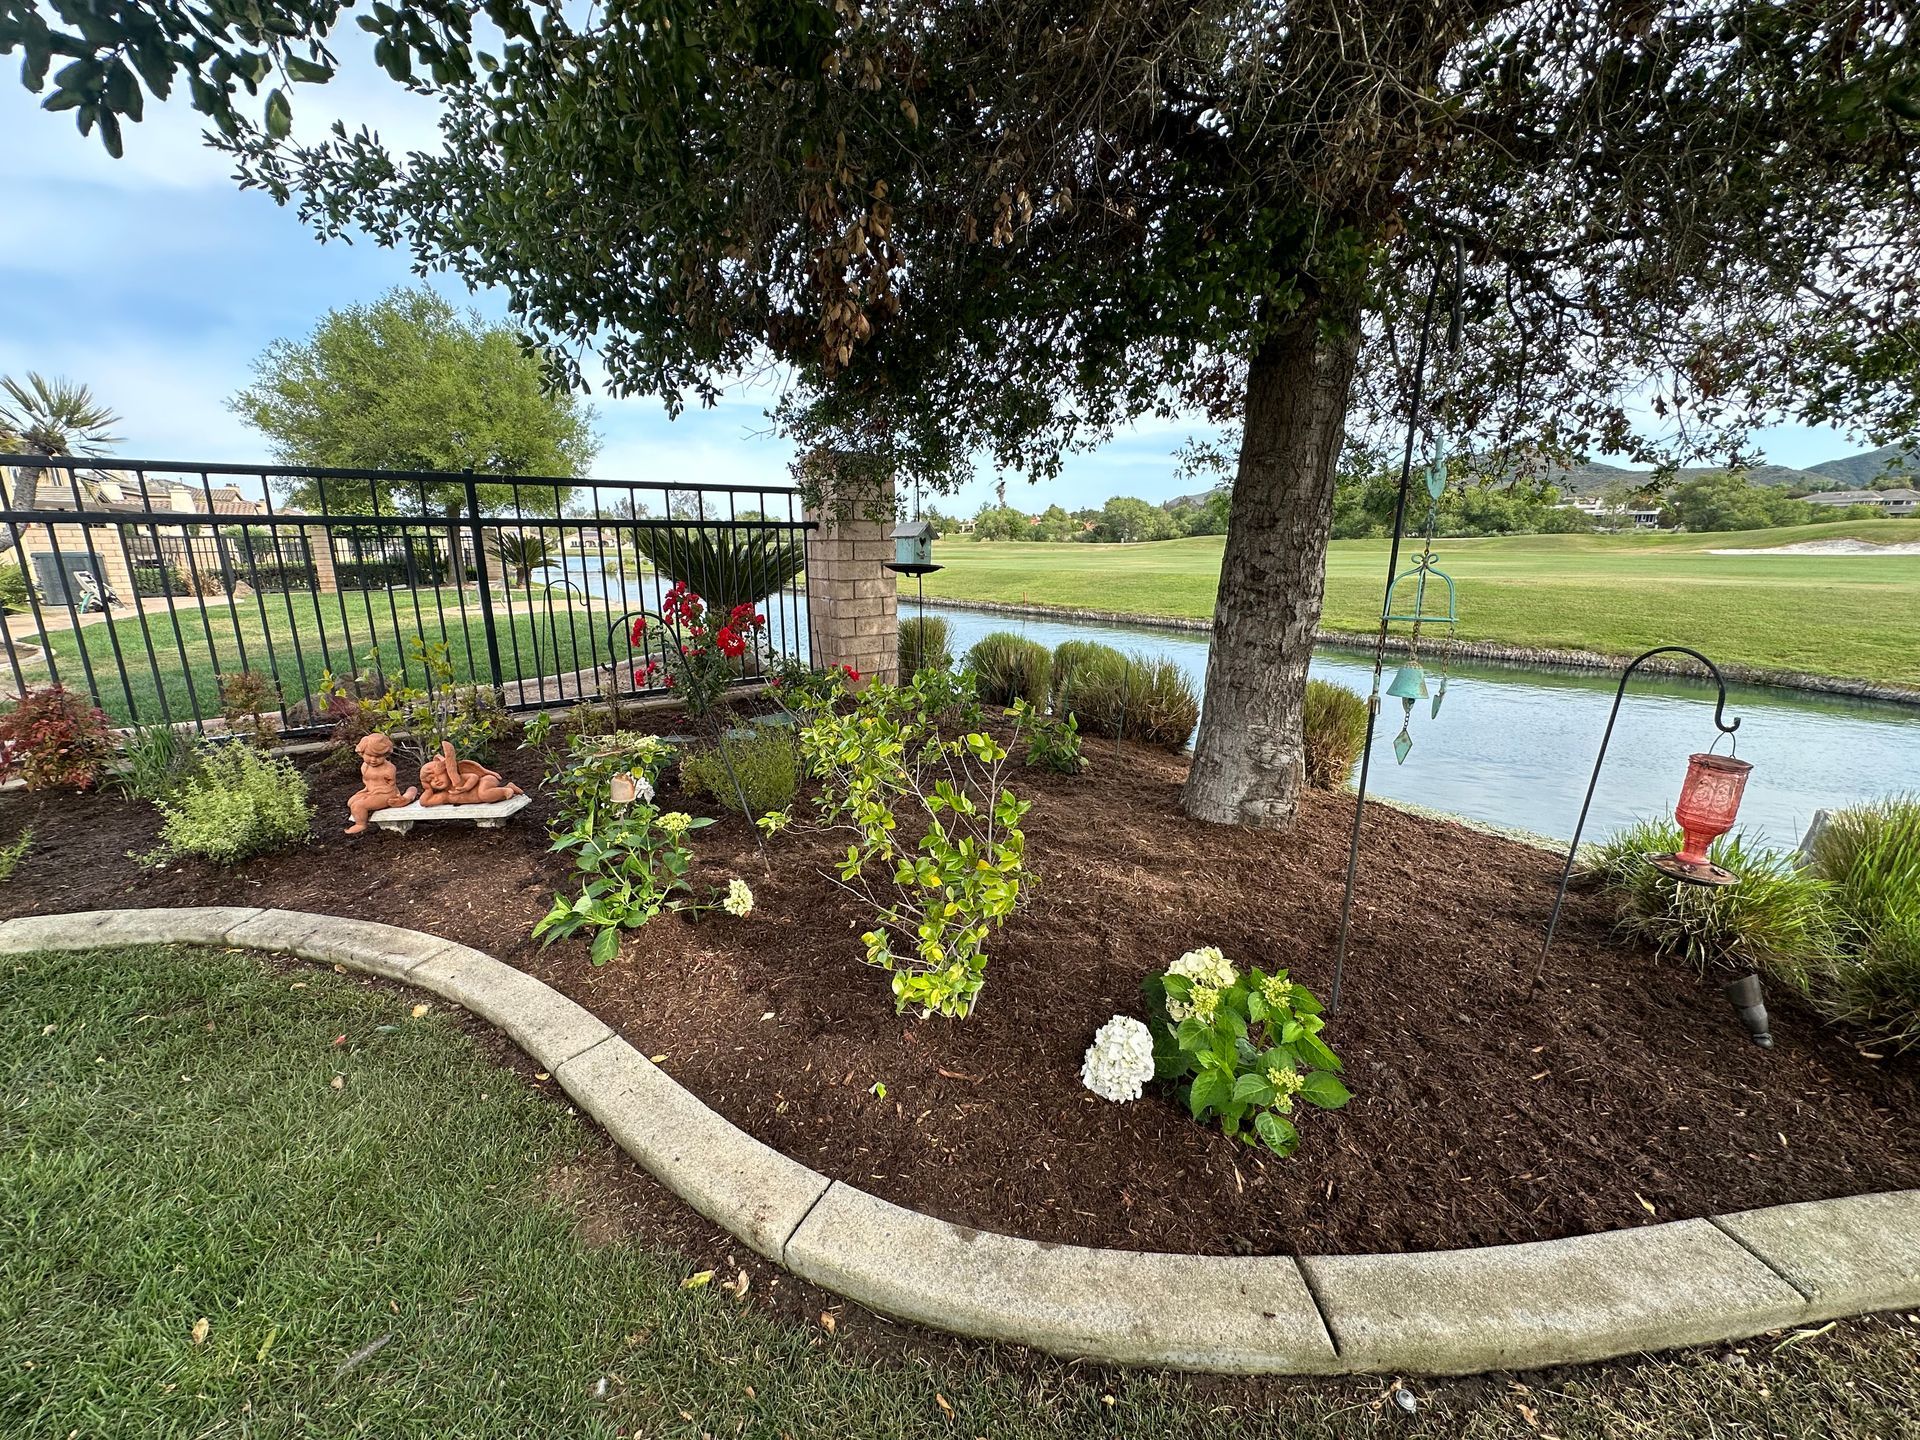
(1241, 1048)
(1871, 858)
(1778, 919)
(1333, 724)
(237, 803)
(924, 642)
(1140, 698)
(1070, 655)
(1008, 667)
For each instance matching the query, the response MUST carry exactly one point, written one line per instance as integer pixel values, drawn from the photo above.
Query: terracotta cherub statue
(379, 782)
(448, 780)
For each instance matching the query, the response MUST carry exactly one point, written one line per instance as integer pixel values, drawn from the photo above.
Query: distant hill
(1862, 470)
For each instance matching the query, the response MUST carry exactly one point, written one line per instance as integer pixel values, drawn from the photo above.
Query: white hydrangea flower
(1207, 967)
(739, 901)
(1120, 1060)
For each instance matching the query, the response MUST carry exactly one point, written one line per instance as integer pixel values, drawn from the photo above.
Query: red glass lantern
(1709, 803)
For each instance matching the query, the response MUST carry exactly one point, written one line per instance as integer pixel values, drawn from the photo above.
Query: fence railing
(143, 583)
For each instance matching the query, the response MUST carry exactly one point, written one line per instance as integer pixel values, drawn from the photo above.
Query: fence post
(486, 593)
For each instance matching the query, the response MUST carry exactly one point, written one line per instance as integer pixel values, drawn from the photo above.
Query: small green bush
(1871, 858)
(1779, 919)
(1333, 722)
(763, 762)
(1052, 743)
(923, 645)
(1149, 700)
(1070, 655)
(15, 594)
(239, 804)
(1008, 667)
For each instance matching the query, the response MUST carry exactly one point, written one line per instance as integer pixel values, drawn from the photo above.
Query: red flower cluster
(642, 674)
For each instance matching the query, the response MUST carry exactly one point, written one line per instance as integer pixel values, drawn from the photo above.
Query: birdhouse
(913, 548)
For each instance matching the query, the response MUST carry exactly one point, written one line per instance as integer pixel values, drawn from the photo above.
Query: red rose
(639, 629)
(853, 675)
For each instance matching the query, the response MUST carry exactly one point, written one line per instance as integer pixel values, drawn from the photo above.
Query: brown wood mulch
(1625, 1094)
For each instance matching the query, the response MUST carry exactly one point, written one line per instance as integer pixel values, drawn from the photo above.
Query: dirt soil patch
(1624, 1095)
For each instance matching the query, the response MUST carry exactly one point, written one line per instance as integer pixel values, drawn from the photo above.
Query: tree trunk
(1248, 760)
(24, 495)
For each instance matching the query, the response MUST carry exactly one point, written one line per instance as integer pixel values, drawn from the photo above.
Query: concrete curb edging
(1588, 1297)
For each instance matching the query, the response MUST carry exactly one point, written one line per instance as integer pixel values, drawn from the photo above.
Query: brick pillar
(320, 549)
(850, 593)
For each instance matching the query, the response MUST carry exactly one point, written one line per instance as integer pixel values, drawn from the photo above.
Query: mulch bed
(1625, 1094)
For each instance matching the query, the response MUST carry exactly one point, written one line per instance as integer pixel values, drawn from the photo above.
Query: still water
(1514, 746)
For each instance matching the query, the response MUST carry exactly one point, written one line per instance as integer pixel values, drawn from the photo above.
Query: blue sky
(157, 281)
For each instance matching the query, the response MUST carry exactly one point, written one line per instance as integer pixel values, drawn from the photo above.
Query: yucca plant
(1871, 857)
(724, 566)
(1008, 667)
(923, 645)
(1778, 919)
(1333, 723)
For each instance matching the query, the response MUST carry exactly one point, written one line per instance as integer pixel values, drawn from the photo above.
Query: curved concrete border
(1590, 1297)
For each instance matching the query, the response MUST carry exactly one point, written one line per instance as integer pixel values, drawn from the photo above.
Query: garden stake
(1386, 604)
(1721, 723)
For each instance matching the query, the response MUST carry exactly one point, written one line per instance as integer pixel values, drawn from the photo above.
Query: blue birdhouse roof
(913, 530)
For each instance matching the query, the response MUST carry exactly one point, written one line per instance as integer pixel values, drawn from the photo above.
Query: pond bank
(1492, 652)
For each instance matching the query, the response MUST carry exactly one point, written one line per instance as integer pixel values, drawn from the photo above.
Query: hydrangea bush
(1242, 1048)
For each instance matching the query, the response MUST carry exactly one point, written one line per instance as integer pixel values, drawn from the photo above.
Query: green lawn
(1847, 615)
(300, 637)
(397, 1257)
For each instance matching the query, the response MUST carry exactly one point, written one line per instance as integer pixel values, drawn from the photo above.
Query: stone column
(850, 593)
(320, 549)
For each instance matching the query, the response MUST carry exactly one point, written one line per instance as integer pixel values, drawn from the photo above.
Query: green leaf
(605, 945)
(1212, 1090)
(1279, 1136)
(1253, 1090)
(1325, 1091)
(279, 115)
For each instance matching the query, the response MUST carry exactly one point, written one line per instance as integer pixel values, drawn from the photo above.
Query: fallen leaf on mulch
(694, 1282)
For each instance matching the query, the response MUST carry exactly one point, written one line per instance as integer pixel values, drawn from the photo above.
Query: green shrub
(153, 762)
(1132, 698)
(1871, 858)
(1334, 729)
(1779, 919)
(1008, 667)
(15, 593)
(239, 803)
(923, 645)
(763, 763)
(1070, 655)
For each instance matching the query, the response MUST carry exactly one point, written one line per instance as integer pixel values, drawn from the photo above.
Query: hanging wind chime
(1409, 681)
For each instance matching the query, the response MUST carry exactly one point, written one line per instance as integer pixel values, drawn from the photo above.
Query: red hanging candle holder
(1708, 805)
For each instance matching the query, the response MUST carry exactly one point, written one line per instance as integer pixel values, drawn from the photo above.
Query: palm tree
(48, 417)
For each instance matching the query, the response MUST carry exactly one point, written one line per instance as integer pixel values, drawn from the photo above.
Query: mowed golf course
(1856, 616)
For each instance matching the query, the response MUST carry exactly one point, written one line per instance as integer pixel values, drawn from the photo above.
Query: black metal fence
(144, 583)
